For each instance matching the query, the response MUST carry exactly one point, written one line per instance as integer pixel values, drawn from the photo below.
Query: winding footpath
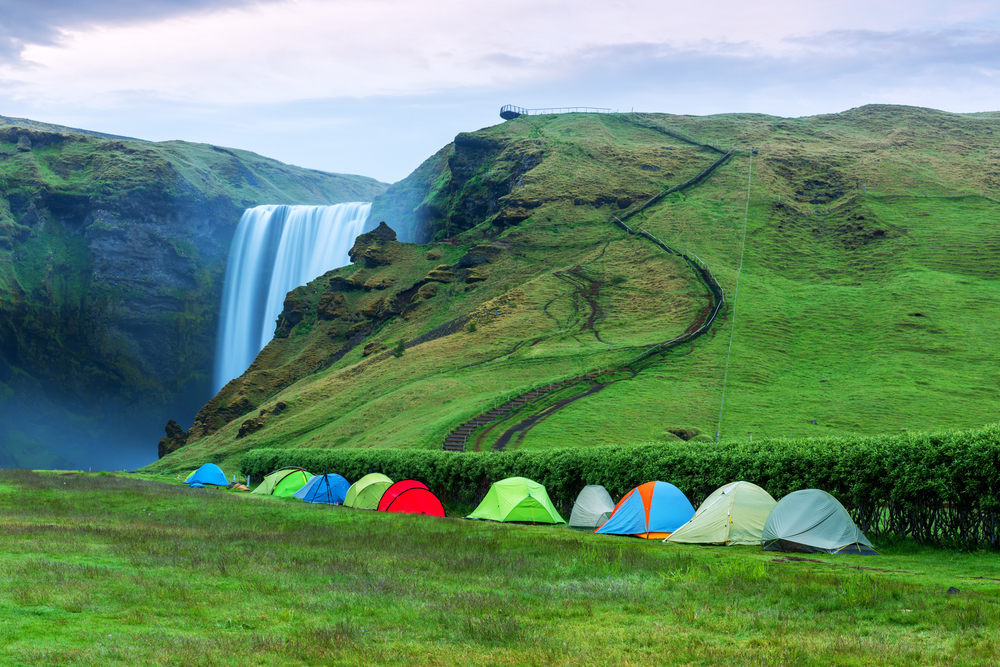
(484, 424)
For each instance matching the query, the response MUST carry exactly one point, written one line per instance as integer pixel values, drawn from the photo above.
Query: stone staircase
(459, 437)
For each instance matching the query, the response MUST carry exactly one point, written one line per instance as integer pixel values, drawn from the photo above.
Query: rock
(369, 249)
(294, 311)
(474, 276)
(427, 291)
(484, 253)
(341, 284)
(361, 328)
(442, 274)
(251, 425)
(333, 306)
(373, 346)
(176, 438)
(379, 283)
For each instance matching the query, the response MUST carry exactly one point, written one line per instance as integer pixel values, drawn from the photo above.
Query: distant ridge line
(38, 126)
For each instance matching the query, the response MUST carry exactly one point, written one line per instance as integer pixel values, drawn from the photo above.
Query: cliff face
(460, 186)
(112, 255)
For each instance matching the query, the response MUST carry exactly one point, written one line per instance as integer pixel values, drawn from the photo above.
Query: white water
(275, 250)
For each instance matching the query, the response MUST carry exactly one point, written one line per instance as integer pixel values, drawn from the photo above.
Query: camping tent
(813, 521)
(517, 499)
(365, 493)
(650, 510)
(328, 488)
(410, 497)
(733, 514)
(592, 507)
(283, 482)
(208, 474)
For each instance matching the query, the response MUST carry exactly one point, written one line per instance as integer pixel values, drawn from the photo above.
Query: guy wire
(736, 292)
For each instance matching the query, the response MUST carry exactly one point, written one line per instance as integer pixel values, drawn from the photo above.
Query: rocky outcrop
(176, 438)
(324, 320)
(372, 249)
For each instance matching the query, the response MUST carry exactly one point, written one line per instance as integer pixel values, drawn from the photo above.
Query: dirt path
(521, 429)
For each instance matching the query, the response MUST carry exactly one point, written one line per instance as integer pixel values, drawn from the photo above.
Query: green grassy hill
(867, 298)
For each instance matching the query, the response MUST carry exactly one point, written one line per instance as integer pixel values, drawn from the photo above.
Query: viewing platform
(510, 112)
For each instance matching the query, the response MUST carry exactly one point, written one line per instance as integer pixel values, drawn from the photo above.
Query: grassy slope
(864, 303)
(116, 571)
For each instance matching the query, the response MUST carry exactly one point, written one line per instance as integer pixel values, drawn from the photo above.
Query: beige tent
(733, 514)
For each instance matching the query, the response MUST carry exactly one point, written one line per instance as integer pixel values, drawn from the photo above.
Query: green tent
(365, 493)
(733, 514)
(283, 482)
(592, 508)
(517, 499)
(813, 521)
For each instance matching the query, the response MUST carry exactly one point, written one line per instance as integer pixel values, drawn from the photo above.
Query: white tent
(733, 514)
(592, 508)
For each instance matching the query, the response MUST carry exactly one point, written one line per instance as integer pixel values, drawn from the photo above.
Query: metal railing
(509, 111)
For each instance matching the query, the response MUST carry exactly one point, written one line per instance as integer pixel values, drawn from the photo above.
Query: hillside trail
(586, 290)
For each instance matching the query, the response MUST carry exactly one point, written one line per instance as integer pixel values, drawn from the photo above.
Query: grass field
(104, 570)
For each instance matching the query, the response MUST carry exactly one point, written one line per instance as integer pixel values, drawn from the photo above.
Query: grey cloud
(39, 21)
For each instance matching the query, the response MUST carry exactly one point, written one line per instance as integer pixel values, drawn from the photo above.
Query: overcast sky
(375, 86)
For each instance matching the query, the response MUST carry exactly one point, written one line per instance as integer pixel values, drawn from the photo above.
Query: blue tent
(652, 510)
(208, 474)
(329, 489)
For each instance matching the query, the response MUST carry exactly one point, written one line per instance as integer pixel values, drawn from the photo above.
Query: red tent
(410, 497)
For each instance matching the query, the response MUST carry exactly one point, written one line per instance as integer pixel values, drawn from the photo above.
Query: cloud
(24, 22)
(372, 86)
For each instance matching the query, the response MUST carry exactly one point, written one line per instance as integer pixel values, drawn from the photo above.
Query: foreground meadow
(102, 570)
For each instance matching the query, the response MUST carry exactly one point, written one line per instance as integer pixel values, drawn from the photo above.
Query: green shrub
(941, 488)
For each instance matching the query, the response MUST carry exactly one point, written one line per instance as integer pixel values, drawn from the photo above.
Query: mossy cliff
(866, 303)
(112, 253)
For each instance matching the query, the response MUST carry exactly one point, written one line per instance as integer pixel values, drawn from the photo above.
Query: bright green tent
(517, 499)
(733, 514)
(283, 482)
(365, 493)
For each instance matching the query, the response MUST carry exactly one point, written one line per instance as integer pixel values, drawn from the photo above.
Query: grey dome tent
(813, 521)
(592, 508)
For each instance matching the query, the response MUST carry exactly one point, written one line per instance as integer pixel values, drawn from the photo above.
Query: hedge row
(941, 488)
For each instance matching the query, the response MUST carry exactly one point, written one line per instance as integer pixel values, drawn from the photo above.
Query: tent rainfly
(283, 482)
(813, 521)
(651, 511)
(365, 493)
(733, 514)
(329, 488)
(207, 474)
(517, 499)
(592, 508)
(410, 497)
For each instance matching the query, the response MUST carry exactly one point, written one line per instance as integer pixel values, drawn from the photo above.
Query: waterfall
(275, 250)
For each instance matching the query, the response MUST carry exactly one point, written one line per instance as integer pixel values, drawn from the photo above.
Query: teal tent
(207, 474)
(813, 521)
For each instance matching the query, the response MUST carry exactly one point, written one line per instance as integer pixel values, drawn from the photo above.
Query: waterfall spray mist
(275, 250)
